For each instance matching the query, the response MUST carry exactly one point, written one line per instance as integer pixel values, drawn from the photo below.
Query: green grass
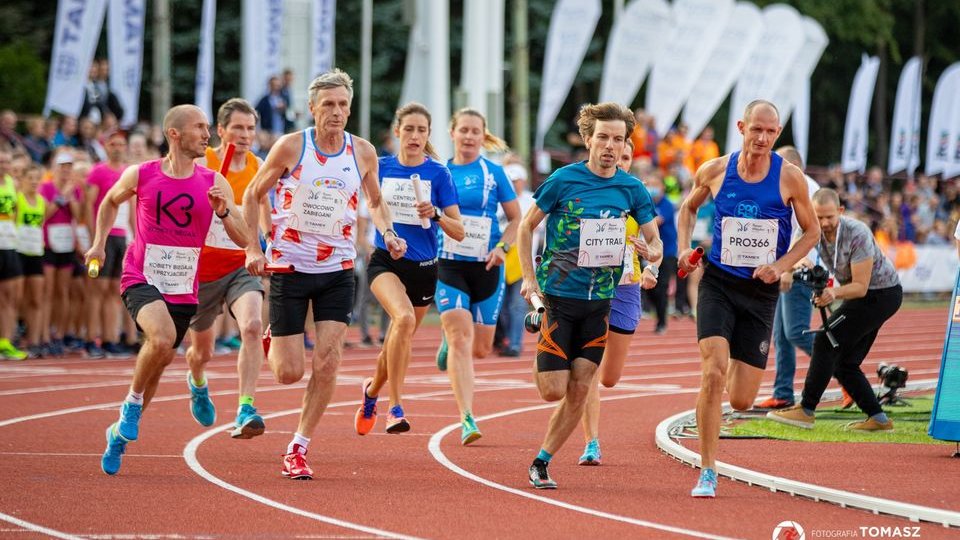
(909, 426)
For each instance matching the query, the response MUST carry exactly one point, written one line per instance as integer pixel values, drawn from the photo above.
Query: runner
(224, 280)
(160, 267)
(754, 191)
(587, 204)
(471, 283)
(405, 287)
(320, 171)
(11, 283)
(31, 212)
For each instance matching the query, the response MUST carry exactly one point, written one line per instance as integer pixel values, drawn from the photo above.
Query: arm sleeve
(505, 192)
(861, 243)
(443, 189)
(547, 195)
(643, 209)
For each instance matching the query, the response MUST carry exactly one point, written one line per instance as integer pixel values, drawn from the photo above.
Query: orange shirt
(701, 152)
(216, 262)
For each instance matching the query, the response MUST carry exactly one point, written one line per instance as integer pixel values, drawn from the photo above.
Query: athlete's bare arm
(370, 183)
(282, 157)
(706, 182)
(528, 224)
(125, 188)
(220, 197)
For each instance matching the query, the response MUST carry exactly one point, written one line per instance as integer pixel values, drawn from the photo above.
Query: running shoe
(539, 477)
(775, 403)
(706, 486)
(115, 350)
(56, 347)
(847, 401)
(307, 343)
(34, 351)
(295, 465)
(94, 351)
(469, 432)
(129, 425)
(442, 354)
(591, 454)
(794, 416)
(396, 423)
(366, 416)
(9, 352)
(116, 446)
(201, 407)
(249, 424)
(233, 343)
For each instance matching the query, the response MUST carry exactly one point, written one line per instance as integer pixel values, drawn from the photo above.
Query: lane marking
(37, 528)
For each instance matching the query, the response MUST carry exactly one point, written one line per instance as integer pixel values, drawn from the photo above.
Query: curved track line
(438, 454)
(38, 528)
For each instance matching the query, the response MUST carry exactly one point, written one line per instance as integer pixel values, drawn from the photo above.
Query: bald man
(176, 201)
(755, 192)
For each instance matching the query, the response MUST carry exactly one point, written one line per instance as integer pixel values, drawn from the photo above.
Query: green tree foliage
(21, 75)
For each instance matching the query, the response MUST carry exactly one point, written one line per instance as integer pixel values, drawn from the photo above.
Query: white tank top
(316, 210)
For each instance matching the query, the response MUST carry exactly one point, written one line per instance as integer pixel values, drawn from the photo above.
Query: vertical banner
(814, 43)
(739, 38)
(801, 120)
(125, 20)
(481, 73)
(905, 131)
(323, 27)
(426, 77)
(697, 26)
(783, 37)
(75, 41)
(260, 50)
(638, 35)
(941, 112)
(855, 131)
(203, 96)
(571, 28)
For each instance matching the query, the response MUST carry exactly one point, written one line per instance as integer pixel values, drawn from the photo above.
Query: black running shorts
(138, 295)
(290, 294)
(571, 328)
(418, 277)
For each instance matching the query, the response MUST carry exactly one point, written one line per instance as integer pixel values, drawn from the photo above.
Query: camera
(817, 278)
(892, 378)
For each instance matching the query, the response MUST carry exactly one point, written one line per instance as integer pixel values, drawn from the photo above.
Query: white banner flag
(739, 38)
(951, 168)
(571, 28)
(941, 112)
(855, 130)
(75, 41)
(481, 72)
(905, 131)
(697, 26)
(262, 27)
(426, 76)
(815, 41)
(125, 49)
(323, 28)
(801, 120)
(638, 36)
(203, 97)
(771, 59)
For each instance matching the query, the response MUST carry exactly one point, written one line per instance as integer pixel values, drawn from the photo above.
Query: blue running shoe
(201, 407)
(706, 486)
(249, 423)
(469, 432)
(129, 425)
(442, 354)
(591, 453)
(116, 446)
(396, 421)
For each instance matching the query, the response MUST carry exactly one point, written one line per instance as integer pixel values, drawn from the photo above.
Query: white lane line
(37, 528)
(80, 454)
(434, 447)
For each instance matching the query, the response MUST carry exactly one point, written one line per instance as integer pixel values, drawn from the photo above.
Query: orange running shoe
(847, 400)
(366, 416)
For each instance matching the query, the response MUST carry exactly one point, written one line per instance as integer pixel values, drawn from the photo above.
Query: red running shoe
(295, 465)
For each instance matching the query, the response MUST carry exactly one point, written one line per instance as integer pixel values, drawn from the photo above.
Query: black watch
(225, 214)
(436, 214)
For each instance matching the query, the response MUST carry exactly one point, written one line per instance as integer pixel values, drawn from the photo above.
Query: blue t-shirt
(570, 195)
(481, 186)
(397, 190)
(668, 229)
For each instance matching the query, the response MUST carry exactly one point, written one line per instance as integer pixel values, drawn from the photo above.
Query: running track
(184, 481)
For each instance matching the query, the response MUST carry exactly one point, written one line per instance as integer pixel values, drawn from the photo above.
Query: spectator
(36, 141)
(67, 134)
(703, 149)
(98, 100)
(272, 109)
(10, 140)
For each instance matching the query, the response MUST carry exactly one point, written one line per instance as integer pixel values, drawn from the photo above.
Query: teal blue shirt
(572, 194)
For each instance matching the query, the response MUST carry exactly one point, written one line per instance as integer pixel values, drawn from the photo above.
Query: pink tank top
(173, 217)
(316, 210)
(102, 176)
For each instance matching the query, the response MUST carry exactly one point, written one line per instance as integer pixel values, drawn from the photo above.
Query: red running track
(184, 481)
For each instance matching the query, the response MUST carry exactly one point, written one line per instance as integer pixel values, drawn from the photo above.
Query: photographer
(868, 284)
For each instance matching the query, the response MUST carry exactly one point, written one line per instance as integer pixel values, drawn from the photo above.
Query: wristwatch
(654, 269)
(503, 245)
(437, 214)
(225, 214)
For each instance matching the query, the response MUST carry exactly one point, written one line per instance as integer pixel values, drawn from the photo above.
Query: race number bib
(602, 242)
(172, 270)
(627, 277)
(476, 238)
(61, 238)
(318, 209)
(123, 217)
(217, 236)
(749, 242)
(402, 200)
(83, 238)
(8, 235)
(30, 240)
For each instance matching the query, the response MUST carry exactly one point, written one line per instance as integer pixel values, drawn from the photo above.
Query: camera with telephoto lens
(817, 278)
(892, 378)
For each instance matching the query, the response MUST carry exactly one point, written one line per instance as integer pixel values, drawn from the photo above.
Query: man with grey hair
(320, 171)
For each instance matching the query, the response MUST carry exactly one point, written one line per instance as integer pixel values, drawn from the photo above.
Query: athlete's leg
(715, 356)
(323, 379)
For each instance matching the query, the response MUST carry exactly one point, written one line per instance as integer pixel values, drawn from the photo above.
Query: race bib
(476, 238)
(627, 276)
(8, 235)
(217, 236)
(30, 240)
(748, 242)
(123, 217)
(318, 209)
(402, 200)
(83, 238)
(602, 242)
(61, 238)
(172, 270)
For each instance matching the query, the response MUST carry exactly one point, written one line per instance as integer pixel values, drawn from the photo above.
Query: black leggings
(855, 335)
